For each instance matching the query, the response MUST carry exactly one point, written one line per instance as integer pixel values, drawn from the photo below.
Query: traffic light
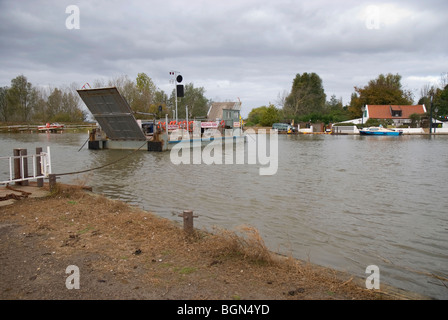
(180, 90)
(179, 87)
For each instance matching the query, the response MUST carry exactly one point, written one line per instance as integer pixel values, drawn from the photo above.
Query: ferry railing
(18, 166)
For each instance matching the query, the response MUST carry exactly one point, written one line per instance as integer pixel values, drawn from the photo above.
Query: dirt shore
(123, 252)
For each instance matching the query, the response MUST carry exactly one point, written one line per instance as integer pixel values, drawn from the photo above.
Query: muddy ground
(123, 252)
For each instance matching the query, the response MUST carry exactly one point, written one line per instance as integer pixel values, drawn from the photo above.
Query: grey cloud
(247, 49)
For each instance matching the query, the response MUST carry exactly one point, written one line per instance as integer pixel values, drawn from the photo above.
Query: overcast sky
(246, 49)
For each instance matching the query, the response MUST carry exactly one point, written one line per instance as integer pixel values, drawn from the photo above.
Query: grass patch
(67, 192)
(85, 230)
(246, 243)
(166, 265)
(186, 270)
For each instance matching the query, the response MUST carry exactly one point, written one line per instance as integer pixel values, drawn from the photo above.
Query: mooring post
(52, 181)
(16, 153)
(188, 220)
(40, 181)
(20, 166)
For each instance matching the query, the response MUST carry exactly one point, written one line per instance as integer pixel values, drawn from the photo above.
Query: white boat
(380, 131)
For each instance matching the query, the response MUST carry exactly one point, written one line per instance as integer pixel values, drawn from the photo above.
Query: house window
(396, 113)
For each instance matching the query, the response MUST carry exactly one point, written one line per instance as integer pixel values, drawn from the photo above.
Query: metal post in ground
(430, 119)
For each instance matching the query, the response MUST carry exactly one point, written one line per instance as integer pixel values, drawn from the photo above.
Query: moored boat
(380, 131)
(53, 127)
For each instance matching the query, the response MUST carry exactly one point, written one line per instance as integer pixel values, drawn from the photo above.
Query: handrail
(44, 172)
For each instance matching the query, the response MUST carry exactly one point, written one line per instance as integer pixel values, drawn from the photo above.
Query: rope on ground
(14, 196)
(103, 166)
(11, 196)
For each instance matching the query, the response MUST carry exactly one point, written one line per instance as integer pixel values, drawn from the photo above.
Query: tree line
(23, 102)
(307, 100)
(144, 97)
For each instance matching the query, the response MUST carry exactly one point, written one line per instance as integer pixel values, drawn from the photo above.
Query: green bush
(377, 122)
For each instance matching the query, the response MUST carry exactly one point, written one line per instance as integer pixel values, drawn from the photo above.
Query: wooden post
(188, 220)
(52, 182)
(40, 181)
(18, 166)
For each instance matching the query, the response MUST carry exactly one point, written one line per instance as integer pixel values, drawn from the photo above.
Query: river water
(345, 202)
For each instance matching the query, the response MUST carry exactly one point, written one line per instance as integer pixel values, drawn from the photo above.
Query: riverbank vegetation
(306, 101)
(23, 103)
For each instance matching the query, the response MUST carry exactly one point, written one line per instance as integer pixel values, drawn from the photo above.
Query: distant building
(227, 111)
(399, 114)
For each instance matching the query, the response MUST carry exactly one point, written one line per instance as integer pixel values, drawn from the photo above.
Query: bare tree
(443, 80)
(427, 90)
(281, 99)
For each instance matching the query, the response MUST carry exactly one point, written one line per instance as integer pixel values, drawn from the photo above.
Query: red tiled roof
(385, 111)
